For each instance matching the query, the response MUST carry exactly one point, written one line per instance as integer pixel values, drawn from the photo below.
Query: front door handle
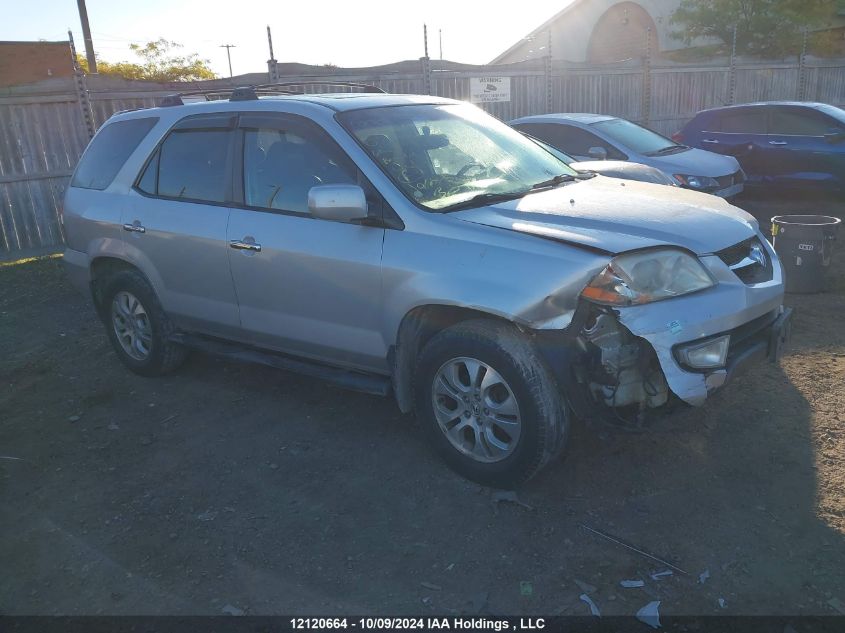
(710, 140)
(778, 143)
(242, 245)
(135, 227)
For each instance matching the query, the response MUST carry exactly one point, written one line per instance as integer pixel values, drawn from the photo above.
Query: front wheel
(488, 404)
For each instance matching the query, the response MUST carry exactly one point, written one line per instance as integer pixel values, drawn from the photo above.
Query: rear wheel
(488, 404)
(138, 327)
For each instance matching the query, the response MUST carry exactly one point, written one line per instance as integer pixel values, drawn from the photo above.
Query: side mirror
(339, 203)
(598, 153)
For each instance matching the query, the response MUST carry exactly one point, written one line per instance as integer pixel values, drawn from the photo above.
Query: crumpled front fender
(720, 309)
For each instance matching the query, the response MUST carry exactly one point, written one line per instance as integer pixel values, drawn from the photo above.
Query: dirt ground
(243, 488)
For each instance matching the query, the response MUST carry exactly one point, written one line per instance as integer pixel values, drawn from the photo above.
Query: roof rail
(368, 88)
(251, 93)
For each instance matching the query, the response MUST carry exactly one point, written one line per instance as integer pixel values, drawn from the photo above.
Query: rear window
(108, 152)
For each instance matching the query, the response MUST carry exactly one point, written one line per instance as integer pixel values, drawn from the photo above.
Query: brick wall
(28, 62)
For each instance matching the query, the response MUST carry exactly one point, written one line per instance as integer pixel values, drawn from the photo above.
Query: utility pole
(440, 36)
(426, 64)
(86, 35)
(228, 48)
(272, 64)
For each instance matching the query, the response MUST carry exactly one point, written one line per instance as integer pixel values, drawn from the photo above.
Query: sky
(341, 32)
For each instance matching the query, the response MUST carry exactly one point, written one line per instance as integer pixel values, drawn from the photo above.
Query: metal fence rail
(43, 133)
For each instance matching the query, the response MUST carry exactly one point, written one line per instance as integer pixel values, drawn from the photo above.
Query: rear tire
(488, 404)
(138, 327)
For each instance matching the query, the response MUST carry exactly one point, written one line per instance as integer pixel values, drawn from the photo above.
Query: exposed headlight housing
(701, 183)
(649, 275)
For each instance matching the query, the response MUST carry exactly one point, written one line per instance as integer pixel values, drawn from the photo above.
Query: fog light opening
(711, 354)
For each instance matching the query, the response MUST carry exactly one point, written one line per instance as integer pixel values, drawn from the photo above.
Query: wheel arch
(416, 328)
(102, 268)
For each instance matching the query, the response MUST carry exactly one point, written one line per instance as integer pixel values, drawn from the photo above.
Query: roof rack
(251, 93)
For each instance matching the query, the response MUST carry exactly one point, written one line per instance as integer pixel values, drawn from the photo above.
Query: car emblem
(757, 254)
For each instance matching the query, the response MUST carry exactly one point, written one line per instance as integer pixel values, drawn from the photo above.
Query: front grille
(743, 260)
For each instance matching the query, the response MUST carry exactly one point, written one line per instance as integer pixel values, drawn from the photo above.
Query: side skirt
(353, 380)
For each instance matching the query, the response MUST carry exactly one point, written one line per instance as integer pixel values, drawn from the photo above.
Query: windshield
(446, 155)
(637, 138)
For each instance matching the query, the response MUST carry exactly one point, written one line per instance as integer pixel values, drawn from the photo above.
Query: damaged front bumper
(752, 315)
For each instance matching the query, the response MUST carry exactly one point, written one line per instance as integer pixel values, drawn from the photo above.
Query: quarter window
(281, 164)
(108, 152)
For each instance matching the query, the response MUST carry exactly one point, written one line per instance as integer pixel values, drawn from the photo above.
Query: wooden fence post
(732, 76)
(802, 69)
(81, 90)
(646, 105)
(426, 74)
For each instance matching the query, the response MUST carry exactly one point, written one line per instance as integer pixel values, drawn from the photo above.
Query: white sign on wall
(489, 89)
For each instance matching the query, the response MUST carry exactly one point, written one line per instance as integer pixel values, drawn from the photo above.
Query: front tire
(488, 404)
(138, 327)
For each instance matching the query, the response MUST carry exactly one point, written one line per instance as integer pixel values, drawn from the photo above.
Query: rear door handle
(778, 143)
(710, 140)
(245, 246)
(134, 228)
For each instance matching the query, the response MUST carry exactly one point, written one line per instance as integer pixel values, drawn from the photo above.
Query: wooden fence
(43, 132)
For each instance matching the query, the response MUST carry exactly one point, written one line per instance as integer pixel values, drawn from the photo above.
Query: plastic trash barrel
(805, 244)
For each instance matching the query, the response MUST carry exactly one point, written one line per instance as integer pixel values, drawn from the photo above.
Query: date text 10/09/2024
(421, 624)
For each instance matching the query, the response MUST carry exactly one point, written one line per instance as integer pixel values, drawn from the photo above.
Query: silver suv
(414, 245)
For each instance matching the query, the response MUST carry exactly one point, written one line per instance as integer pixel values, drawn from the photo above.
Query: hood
(613, 216)
(624, 169)
(696, 162)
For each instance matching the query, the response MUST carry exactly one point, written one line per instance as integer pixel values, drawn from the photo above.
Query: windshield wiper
(482, 199)
(553, 182)
(668, 148)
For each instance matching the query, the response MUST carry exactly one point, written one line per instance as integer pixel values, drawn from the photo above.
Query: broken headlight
(646, 276)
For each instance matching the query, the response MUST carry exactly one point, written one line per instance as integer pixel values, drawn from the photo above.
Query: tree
(763, 27)
(158, 63)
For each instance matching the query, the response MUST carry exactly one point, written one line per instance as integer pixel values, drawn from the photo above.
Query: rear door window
(109, 151)
(747, 121)
(193, 163)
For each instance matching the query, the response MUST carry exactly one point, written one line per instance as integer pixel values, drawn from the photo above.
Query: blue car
(779, 144)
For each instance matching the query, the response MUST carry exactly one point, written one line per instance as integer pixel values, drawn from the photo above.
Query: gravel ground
(230, 487)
